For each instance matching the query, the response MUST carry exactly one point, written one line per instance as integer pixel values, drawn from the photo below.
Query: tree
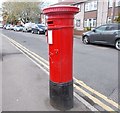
(21, 11)
(118, 18)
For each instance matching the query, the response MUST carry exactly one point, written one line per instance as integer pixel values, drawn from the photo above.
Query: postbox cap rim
(61, 8)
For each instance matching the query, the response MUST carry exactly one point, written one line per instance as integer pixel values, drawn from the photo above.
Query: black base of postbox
(61, 95)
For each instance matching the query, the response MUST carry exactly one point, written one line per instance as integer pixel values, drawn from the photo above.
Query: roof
(63, 3)
(69, 2)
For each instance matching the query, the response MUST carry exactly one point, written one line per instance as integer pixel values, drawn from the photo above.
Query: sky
(53, 1)
(0, 3)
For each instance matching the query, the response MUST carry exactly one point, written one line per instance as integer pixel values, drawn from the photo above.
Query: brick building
(93, 13)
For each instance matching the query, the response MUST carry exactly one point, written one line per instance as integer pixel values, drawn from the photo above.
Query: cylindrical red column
(60, 39)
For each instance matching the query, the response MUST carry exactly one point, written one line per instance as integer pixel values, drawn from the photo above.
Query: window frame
(91, 6)
(78, 21)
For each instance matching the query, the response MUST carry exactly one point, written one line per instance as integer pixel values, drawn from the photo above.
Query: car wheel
(117, 44)
(85, 40)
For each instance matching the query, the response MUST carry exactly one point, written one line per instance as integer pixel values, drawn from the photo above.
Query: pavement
(25, 87)
(77, 36)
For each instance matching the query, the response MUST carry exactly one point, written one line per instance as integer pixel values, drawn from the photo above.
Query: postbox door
(54, 56)
(60, 55)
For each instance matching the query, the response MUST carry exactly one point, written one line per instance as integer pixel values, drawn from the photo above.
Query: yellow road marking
(97, 93)
(18, 45)
(95, 100)
(78, 81)
(45, 61)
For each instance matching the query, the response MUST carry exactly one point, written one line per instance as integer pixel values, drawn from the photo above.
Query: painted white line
(81, 83)
(20, 48)
(28, 51)
(41, 62)
(79, 98)
(45, 61)
(95, 100)
(31, 59)
(85, 102)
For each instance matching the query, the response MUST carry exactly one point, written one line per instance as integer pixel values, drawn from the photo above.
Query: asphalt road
(95, 65)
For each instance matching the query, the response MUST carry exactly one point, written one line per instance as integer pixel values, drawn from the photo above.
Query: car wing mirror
(94, 30)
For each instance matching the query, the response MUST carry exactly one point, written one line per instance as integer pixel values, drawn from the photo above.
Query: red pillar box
(60, 39)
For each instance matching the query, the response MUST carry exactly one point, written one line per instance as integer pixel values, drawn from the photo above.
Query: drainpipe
(113, 11)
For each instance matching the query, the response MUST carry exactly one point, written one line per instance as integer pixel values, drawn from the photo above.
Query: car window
(118, 27)
(109, 28)
(34, 26)
(41, 26)
(101, 28)
(113, 27)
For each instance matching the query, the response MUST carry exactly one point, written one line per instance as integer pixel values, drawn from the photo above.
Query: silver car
(18, 28)
(108, 34)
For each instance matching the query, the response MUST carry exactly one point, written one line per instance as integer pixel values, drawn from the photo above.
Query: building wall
(79, 17)
(102, 11)
(92, 13)
(117, 11)
(90, 16)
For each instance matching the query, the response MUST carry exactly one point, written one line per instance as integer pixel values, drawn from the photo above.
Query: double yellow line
(45, 64)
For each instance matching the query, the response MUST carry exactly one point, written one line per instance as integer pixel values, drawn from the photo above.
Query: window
(112, 27)
(119, 27)
(101, 28)
(110, 3)
(91, 22)
(109, 20)
(95, 5)
(85, 23)
(89, 6)
(77, 23)
(94, 22)
(86, 7)
(117, 3)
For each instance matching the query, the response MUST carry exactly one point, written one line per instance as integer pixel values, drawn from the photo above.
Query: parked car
(18, 28)
(25, 29)
(9, 27)
(4, 26)
(28, 27)
(1, 25)
(39, 29)
(108, 34)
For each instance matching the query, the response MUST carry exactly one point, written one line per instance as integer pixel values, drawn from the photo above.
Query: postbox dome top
(61, 9)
